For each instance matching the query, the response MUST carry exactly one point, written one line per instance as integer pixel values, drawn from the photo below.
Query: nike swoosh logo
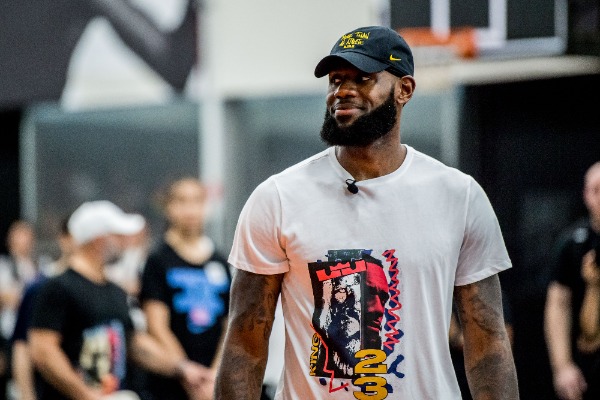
(392, 58)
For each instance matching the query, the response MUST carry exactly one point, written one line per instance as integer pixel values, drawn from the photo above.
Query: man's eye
(365, 78)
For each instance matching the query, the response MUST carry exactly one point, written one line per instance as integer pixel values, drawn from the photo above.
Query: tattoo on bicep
(259, 294)
(480, 303)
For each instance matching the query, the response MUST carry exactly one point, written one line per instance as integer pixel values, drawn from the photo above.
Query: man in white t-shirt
(367, 243)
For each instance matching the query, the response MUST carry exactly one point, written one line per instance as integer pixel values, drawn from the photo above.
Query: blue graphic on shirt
(200, 295)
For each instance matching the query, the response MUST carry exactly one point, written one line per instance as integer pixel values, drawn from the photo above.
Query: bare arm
(219, 355)
(10, 298)
(568, 379)
(590, 309)
(557, 325)
(488, 356)
(55, 367)
(158, 319)
(147, 352)
(251, 314)
(22, 370)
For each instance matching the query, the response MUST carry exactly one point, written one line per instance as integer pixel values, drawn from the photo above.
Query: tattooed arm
(488, 356)
(251, 314)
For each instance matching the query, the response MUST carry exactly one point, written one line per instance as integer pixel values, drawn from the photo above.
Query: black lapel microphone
(351, 183)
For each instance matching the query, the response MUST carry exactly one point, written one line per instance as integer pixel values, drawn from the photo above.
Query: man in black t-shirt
(81, 333)
(572, 366)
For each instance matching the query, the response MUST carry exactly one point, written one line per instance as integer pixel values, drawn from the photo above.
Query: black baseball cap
(370, 49)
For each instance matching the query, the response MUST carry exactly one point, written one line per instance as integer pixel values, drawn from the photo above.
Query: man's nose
(346, 88)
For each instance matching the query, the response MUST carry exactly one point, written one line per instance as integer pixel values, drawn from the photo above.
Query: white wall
(267, 46)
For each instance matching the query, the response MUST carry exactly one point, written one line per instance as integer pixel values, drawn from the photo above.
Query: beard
(365, 130)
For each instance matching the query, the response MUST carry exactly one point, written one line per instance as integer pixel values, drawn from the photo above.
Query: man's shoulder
(60, 280)
(434, 168)
(576, 232)
(298, 173)
(301, 167)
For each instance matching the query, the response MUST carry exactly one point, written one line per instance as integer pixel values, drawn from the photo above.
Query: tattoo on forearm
(253, 299)
(492, 378)
(481, 304)
(488, 355)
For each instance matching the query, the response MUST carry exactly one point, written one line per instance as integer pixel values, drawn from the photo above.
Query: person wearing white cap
(81, 332)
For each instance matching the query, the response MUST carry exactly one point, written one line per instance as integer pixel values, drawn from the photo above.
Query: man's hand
(569, 382)
(589, 270)
(198, 380)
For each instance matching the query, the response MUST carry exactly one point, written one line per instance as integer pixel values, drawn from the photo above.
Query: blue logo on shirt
(200, 294)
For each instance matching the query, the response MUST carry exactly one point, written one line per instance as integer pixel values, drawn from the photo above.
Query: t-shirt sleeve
(24, 313)
(154, 285)
(50, 307)
(257, 244)
(483, 252)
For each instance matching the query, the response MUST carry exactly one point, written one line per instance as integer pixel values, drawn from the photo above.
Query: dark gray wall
(529, 144)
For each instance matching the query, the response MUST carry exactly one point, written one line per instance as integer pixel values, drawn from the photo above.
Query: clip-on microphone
(351, 183)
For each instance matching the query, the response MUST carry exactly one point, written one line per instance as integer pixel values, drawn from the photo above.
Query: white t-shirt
(427, 226)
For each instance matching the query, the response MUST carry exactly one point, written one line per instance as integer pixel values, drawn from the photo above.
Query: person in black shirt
(185, 289)
(24, 376)
(572, 365)
(81, 333)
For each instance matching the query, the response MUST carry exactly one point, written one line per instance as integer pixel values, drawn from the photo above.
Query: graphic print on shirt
(200, 294)
(103, 356)
(355, 319)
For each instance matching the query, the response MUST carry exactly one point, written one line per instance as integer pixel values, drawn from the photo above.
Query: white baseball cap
(100, 218)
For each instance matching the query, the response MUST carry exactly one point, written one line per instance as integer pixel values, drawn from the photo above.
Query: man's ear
(405, 88)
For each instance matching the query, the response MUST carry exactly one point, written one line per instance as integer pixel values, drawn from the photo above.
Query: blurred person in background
(17, 269)
(81, 333)
(589, 316)
(127, 273)
(572, 365)
(24, 376)
(185, 289)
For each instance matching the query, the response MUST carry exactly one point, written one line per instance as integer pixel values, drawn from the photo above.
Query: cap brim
(359, 60)
(128, 224)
